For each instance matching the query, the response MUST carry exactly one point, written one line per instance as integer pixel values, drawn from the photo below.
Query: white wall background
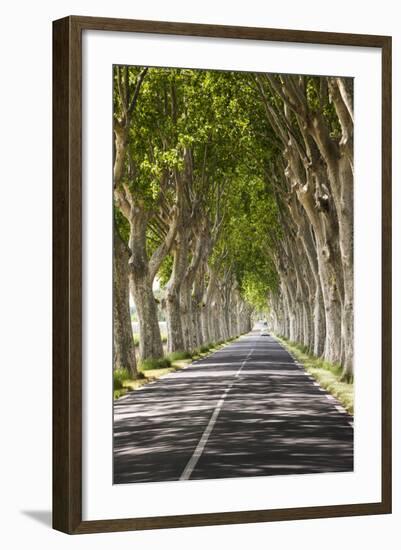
(25, 273)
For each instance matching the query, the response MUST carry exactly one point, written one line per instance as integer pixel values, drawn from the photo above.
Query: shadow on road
(274, 420)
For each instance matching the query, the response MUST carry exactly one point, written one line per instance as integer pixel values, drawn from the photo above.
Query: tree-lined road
(246, 410)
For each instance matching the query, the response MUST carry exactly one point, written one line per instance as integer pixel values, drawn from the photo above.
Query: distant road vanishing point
(249, 409)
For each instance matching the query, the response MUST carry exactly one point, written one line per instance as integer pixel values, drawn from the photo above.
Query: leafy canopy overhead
(219, 117)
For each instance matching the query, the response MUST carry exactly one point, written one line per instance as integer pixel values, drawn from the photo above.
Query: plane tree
(237, 193)
(145, 186)
(312, 118)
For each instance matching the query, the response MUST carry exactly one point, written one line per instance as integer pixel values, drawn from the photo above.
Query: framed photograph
(221, 275)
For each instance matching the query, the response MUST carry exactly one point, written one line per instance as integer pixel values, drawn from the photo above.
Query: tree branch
(135, 96)
(161, 252)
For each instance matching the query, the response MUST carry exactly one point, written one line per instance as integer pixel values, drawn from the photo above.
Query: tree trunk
(175, 339)
(189, 303)
(124, 349)
(339, 161)
(325, 228)
(199, 288)
(186, 315)
(150, 343)
(208, 327)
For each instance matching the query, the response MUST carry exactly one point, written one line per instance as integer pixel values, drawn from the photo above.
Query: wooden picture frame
(67, 274)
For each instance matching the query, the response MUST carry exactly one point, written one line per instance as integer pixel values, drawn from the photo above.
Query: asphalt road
(247, 410)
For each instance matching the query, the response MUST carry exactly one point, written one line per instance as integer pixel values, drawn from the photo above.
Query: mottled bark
(199, 288)
(143, 269)
(188, 307)
(326, 236)
(339, 161)
(320, 170)
(308, 249)
(175, 339)
(124, 349)
(140, 274)
(150, 343)
(320, 210)
(180, 253)
(208, 327)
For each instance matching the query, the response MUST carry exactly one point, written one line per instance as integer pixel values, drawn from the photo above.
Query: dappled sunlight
(233, 211)
(273, 421)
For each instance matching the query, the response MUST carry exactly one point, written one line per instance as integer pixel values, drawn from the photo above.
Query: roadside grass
(121, 381)
(178, 355)
(124, 384)
(119, 376)
(328, 375)
(152, 369)
(204, 349)
(154, 364)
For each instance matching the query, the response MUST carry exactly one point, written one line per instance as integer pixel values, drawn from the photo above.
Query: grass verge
(146, 376)
(152, 369)
(179, 355)
(155, 364)
(328, 375)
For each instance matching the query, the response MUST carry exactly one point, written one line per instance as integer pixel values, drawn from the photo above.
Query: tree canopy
(234, 190)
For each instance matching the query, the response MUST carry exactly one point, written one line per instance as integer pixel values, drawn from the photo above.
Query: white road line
(189, 468)
(243, 363)
(339, 408)
(330, 397)
(205, 436)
